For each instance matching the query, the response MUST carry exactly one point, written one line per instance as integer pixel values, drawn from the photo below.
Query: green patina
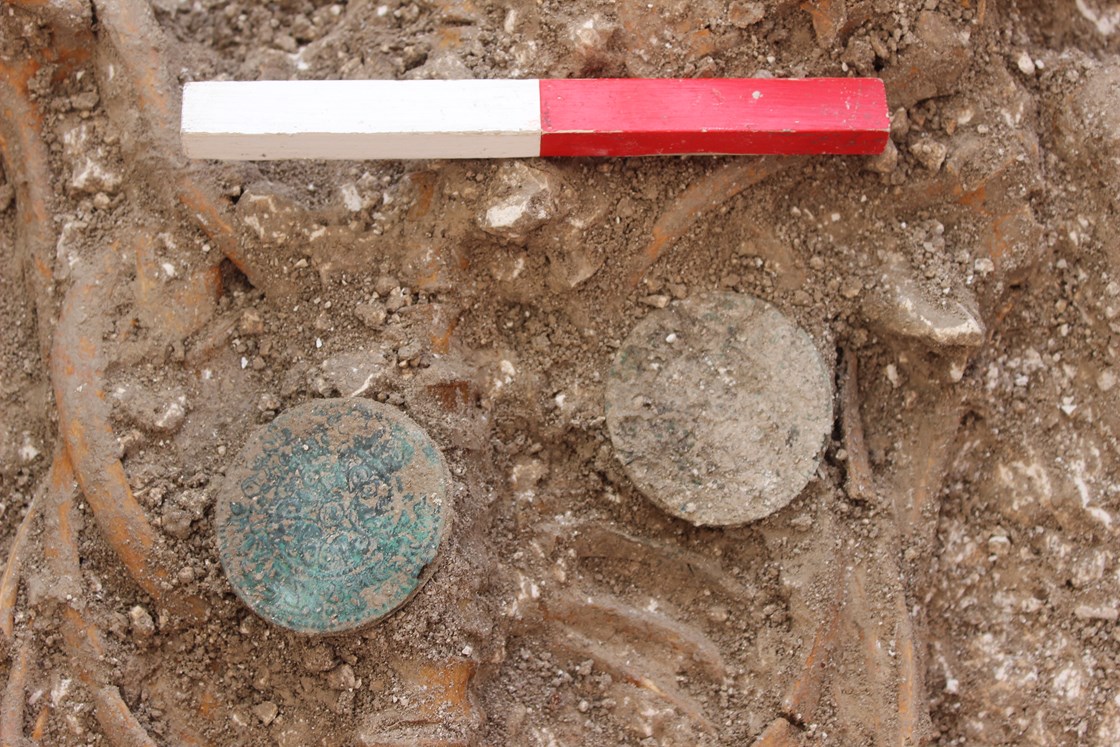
(332, 515)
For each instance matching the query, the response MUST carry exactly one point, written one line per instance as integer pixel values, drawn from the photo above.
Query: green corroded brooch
(332, 514)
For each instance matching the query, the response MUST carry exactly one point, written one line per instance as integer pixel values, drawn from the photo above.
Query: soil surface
(950, 574)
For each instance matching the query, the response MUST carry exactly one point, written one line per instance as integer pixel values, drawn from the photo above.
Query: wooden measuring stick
(388, 119)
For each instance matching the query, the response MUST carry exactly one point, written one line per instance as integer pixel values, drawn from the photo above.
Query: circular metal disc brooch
(718, 407)
(332, 514)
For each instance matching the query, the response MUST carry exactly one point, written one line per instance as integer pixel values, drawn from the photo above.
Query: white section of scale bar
(362, 119)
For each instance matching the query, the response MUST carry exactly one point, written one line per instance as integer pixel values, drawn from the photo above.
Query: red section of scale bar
(640, 117)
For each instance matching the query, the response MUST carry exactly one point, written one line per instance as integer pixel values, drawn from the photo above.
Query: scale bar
(389, 119)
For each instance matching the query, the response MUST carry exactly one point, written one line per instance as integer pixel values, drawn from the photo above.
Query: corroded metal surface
(332, 514)
(718, 407)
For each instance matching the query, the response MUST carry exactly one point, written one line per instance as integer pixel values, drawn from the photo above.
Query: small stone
(900, 124)
(352, 374)
(1088, 612)
(397, 300)
(297, 732)
(1025, 64)
(385, 284)
(318, 659)
(272, 216)
(181, 511)
(573, 265)
(719, 614)
(860, 55)
(342, 678)
(891, 372)
(285, 43)
(999, 545)
(1087, 132)
(929, 153)
(657, 301)
(373, 315)
(171, 417)
(268, 402)
(84, 102)
(155, 412)
(28, 451)
(801, 521)
(441, 65)
(591, 35)
(409, 351)
(90, 176)
(933, 65)
(351, 199)
(176, 522)
(251, 323)
(141, 622)
(522, 200)
(527, 472)
(266, 712)
(744, 14)
(460, 12)
(884, 163)
(901, 306)
(1106, 380)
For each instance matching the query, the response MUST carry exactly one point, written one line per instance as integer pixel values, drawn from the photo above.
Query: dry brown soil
(949, 576)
